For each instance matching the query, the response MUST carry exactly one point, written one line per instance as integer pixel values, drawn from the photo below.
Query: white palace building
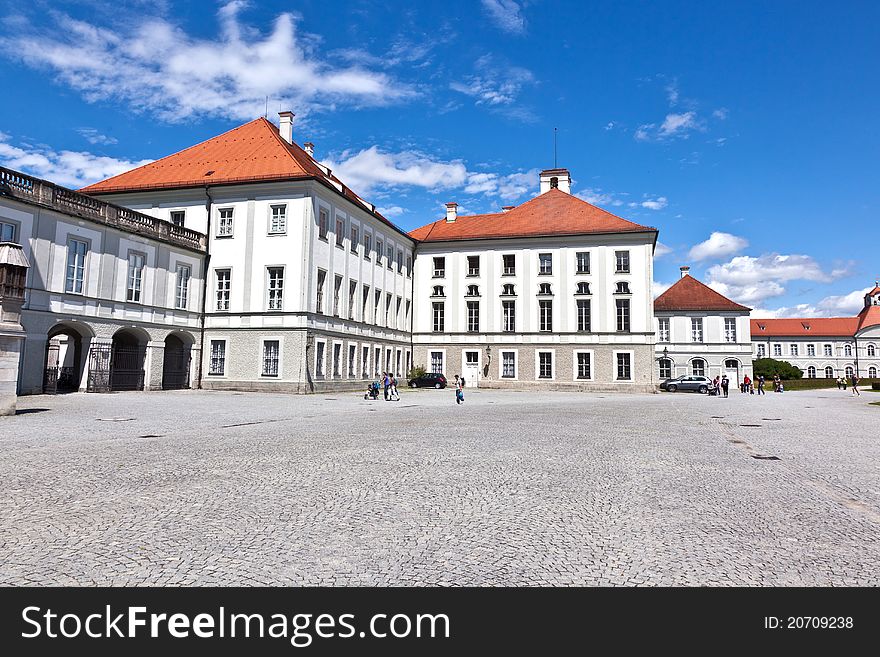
(244, 263)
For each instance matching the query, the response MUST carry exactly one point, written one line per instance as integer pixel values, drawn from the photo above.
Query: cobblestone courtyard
(199, 488)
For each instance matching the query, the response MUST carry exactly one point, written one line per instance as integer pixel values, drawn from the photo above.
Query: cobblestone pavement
(221, 488)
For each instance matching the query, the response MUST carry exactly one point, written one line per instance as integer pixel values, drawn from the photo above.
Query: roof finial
(555, 132)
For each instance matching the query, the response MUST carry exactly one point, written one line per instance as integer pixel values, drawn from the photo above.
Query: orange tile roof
(253, 152)
(870, 315)
(690, 294)
(553, 213)
(818, 326)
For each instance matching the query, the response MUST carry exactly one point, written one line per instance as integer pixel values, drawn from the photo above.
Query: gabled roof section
(815, 326)
(870, 315)
(253, 152)
(553, 213)
(689, 294)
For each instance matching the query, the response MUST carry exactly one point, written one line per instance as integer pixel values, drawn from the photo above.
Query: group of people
(721, 385)
(853, 382)
(386, 382)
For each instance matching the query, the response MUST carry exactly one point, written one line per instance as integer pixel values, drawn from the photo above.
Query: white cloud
(92, 136)
(721, 113)
(158, 67)
(508, 187)
(660, 288)
(672, 93)
(393, 211)
(844, 305)
(506, 14)
(65, 168)
(674, 126)
(661, 250)
(655, 204)
(370, 168)
(610, 125)
(493, 83)
(719, 245)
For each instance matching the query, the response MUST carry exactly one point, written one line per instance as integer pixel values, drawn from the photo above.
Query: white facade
(708, 343)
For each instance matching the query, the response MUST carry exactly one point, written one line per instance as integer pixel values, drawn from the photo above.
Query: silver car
(699, 384)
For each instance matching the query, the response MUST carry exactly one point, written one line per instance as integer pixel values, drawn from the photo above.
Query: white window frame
(663, 327)
(8, 231)
(442, 353)
(472, 307)
(339, 233)
(511, 327)
(79, 266)
(698, 330)
(730, 333)
(277, 222)
(225, 224)
(352, 370)
(794, 350)
(337, 364)
(135, 278)
(508, 271)
(225, 357)
(515, 353)
(578, 303)
(541, 316)
(175, 214)
(622, 256)
(542, 258)
(227, 291)
(263, 341)
(577, 262)
(274, 295)
(574, 365)
(828, 350)
(632, 365)
(181, 286)
(323, 223)
(811, 350)
(777, 350)
(320, 360)
(553, 368)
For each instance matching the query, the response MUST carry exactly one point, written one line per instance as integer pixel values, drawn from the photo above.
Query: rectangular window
(397, 356)
(377, 359)
(340, 232)
(379, 252)
(439, 317)
(277, 219)
(583, 262)
(545, 315)
(663, 323)
(473, 263)
(777, 350)
(406, 317)
(439, 267)
(271, 352)
(337, 355)
(337, 293)
(352, 295)
(623, 315)
(437, 362)
(729, 329)
(665, 368)
(181, 286)
(366, 301)
(624, 367)
(389, 257)
(365, 358)
(583, 315)
(319, 360)
(545, 263)
(696, 329)
(397, 303)
(827, 350)
(352, 354)
(76, 266)
(319, 296)
(811, 350)
(399, 261)
(217, 366)
(508, 364)
(377, 299)
(473, 316)
(545, 365)
(367, 253)
(408, 266)
(224, 223)
(276, 288)
(387, 307)
(583, 365)
(794, 350)
(621, 259)
(7, 231)
(224, 287)
(762, 352)
(508, 316)
(323, 219)
(135, 276)
(178, 218)
(508, 264)
(355, 239)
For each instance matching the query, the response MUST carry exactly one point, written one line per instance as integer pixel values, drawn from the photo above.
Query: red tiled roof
(819, 326)
(870, 315)
(553, 213)
(690, 294)
(253, 152)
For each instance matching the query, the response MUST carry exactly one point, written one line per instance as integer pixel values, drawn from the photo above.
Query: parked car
(428, 380)
(699, 384)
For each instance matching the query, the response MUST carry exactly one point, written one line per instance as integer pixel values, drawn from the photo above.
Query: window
(367, 252)
(829, 372)
(352, 295)
(583, 288)
(224, 224)
(696, 329)
(624, 367)
(397, 313)
(623, 324)
(340, 232)
(583, 315)
(224, 286)
(811, 372)
(399, 263)
(794, 349)
(730, 329)
(508, 264)
(355, 239)
(508, 316)
(508, 290)
(352, 354)
(7, 232)
(848, 371)
(437, 362)
(872, 372)
(871, 350)
(337, 356)
(473, 263)
(439, 319)
(319, 297)
(439, 267)
(472, 358)
(378, 252)
(762, 352)
(622, 288)
(389, 257)
(181, 286)
(545, 365)
(583, 365)
(545, 315)
(731, 364)
(698, 367)
(437, 291)
(665, 368)
(827, 350)
(365, 357)
(397, 354)
(508, 364)
(277, 219)
(582, 260)
(811, 350)
(621, 259)
(337, 293)
(377, 300)
(377, 359)
(847, 350)
(135, 276)
(408, 265)
(545, 263)
(271, 349)
(366, 300)
(544, 288)
(178, 218)
(473, 316)
(76, 266)
(276, 288)
(387, 307)
(217, 366)
(319, 360)
(323, 219)
(663, 333)
(406, 318)
(473, 291)
(777, 349)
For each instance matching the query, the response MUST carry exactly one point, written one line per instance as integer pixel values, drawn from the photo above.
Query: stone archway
(176, 361)
(65, 359)
(127, 356)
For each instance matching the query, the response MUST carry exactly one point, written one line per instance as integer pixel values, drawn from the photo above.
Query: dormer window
(508, 290)
(806, 326)
(622, 288)
(437, 291)
(473, 291)
(583, 288)
(544, 288)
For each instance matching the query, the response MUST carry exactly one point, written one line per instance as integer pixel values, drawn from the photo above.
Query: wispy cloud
(674, 126)
(157, 67)
(719, 245)
(92, 136)
(655, 203)
(843, 305)
(661, 250)
(506, 14)
(494, 83)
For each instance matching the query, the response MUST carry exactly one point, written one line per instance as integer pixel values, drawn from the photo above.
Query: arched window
(583, 288)
(473, 291)
(731, 364)
(847, 350)
(698, 367)
(437, 291)
(829, 372)
(544, 288)
(811, 372)
(871, 350)
(622, 287)
(508, 289)
(849, 370)
(665, 368)
(554, 182)
(872, 372)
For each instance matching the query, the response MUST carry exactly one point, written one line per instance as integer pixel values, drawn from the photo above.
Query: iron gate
(99, 368)
(50, 376)
(127, 367)
(175, 369)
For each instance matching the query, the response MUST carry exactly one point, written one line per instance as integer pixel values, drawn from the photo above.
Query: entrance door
(471, 368)
(731, 369)
(50, 377)
(175, 367)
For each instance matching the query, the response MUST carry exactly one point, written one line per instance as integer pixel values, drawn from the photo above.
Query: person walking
(395, 396)
(854, 381)
(839, 383)
(386, 384)
(761, 384)
(747, 382)
(459, 393)
(725, 384)
(776, 381)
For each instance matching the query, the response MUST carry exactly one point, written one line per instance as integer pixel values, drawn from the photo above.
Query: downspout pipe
(209, 201)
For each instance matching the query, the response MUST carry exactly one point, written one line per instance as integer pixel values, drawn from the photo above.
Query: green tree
(416, 372)
(770, 367)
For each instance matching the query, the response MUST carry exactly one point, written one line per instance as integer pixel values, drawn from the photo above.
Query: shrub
(770, 367)
(416, 372)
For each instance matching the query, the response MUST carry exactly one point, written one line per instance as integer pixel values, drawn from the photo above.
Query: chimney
(451, 212)
(507, 208)
(555, 179)
(685, 271)
(309, 148)
(285, 126)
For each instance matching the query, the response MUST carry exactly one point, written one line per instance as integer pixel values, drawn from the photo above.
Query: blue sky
(746, 132)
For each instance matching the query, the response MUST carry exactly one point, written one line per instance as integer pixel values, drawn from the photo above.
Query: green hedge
(819, 384)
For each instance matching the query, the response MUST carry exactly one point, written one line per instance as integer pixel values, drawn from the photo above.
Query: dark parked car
(699, 384)
(428, 380)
